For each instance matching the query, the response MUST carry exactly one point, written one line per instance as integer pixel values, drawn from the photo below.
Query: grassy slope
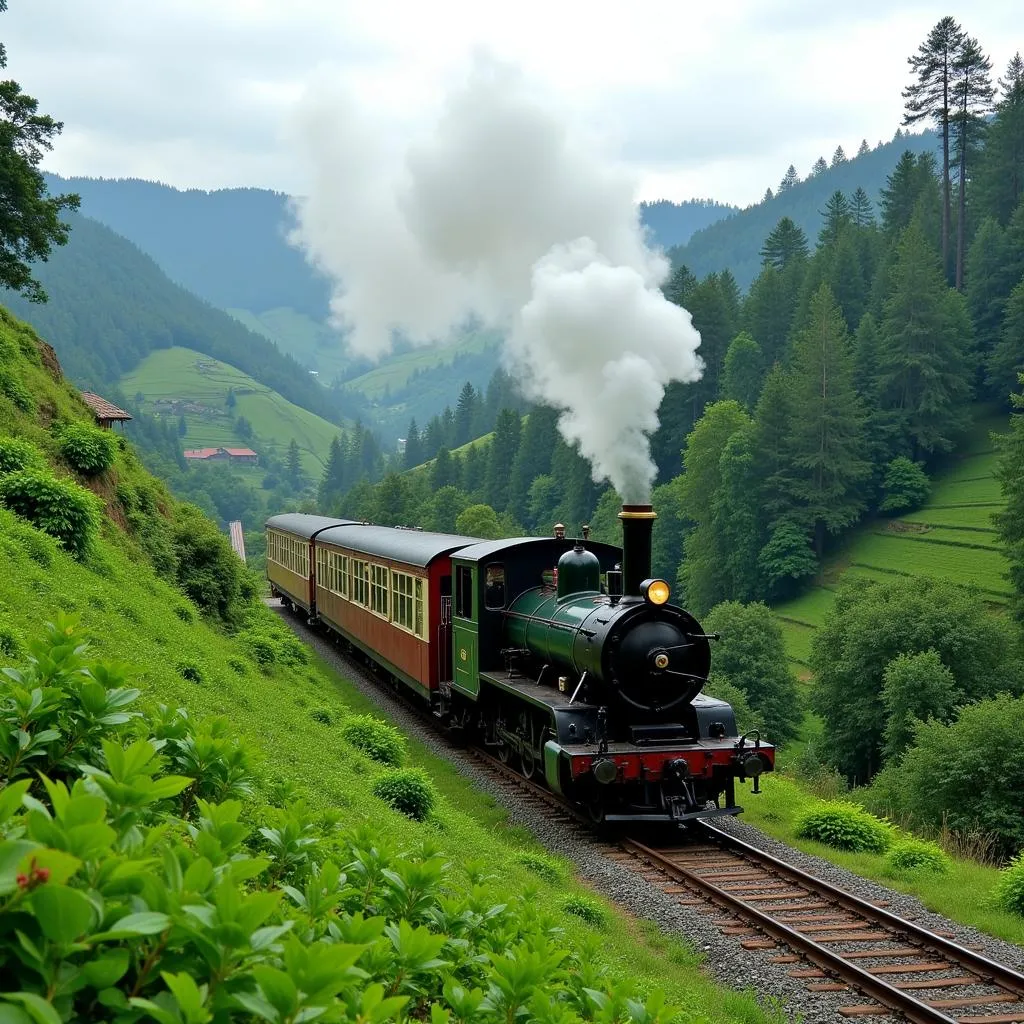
(300, 336)
(173, 373)
(952, 537)
(177, 659)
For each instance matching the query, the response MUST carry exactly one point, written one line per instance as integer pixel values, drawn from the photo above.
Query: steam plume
(498, 214)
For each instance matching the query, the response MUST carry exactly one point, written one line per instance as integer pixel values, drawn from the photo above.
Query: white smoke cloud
(498, 214)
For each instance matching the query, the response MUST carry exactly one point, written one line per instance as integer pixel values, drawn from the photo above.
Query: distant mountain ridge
(734, 242)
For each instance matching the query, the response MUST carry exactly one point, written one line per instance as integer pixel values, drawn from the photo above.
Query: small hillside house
(238, 456)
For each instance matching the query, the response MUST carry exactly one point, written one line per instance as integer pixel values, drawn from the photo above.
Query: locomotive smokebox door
(465, 632)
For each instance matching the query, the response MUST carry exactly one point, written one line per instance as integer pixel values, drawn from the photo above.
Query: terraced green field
(181, 374)
(951, 537)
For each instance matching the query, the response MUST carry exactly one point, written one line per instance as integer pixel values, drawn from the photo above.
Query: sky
(710, 100)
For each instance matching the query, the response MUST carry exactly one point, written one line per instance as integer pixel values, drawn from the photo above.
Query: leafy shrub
(16, 454)
(61, 508)
(545, 867)
(322, 715)
(845, 826)
(145, 899)
(381, 741)
(238, 666)
(917, 855)
(906, 486)
(40, 547)
(184, 613)
(207, 568)
(87, 450)
(408, 790)
(586, 910)
(190, 671)
(15, 390)
(10, 642)
(1009, 888)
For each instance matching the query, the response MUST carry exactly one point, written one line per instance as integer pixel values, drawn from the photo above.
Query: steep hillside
(251, 787)
(182, 382)
(111, 305)
(734, 243)
(951, 537)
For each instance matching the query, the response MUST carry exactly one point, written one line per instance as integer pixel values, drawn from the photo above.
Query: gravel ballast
(724, 958)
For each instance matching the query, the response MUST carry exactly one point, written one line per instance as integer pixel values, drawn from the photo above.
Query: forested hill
(229, 246)
(110, 305)
(226, 246)
(734, 243)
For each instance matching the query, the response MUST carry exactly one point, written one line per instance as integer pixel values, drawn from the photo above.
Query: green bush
(1009, 889)
(87, 450)
(845, 826)
(184, 613)
(906, 486)
(381, 741)
(408, 790)
(322, 715)
(545, 867)
(913, 855)
(10, 643)
(586, 910)
(191, 671)
(15, 390)
(61, 508)
(16, 454)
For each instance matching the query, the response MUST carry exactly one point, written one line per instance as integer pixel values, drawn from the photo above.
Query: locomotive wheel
(529, 761)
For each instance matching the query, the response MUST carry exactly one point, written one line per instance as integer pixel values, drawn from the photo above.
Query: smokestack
(637, 523)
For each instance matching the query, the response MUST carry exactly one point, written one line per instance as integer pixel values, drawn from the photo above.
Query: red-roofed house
(240, 456)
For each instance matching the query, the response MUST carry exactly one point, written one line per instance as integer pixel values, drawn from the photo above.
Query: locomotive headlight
(654, 591)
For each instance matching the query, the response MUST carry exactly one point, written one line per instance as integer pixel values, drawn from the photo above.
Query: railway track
(831, 940)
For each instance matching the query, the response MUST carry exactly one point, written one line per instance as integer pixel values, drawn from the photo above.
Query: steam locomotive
(563, 656)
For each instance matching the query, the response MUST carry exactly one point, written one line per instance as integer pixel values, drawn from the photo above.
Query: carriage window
(494, 591)
(359, 584)
(379, 590)
(464, 592)
(401, 600)
(420, 620)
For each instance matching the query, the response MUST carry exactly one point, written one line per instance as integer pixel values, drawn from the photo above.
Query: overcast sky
(711, 99)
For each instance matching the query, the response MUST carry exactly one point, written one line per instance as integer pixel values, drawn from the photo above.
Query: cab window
(494, 589)
(464, 592)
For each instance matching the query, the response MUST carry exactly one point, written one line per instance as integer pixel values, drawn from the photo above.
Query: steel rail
(991, 970)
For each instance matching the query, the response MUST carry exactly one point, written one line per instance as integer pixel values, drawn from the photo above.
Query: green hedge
(61, 508)
(846, 827)
(87, 450)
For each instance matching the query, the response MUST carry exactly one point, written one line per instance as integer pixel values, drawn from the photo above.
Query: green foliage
(16, 454)
(141, 886)
(270, 645)
(585, 909)
(207, 568)
(544, 867)
(872, 623)
(12, 387)
(917, 855)
(87, 450)
(381, 741)
(906, 486)
(61, 508)
(408, 790)
(1009, 890)
(845, 826)
(752, 657)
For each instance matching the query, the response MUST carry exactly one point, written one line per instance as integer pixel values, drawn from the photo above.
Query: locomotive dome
(579, 571)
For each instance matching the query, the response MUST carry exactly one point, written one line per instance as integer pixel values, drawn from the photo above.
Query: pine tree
(465, 415)
(413, 446)
(231, 401)
(864, 148)
(861, 209)
(182, 426)
(910, 183)
(332, 483)
(1000, 177)
(846, 279)
(1007, 360)
(820, 166)
(837, 216)
(828, 424)
(924, 371)
(533, 459)
(742, 373)
(973, 90)
(678, 287)
(786, 244)
(839, 156)
(768, 195)
(714, 306)
(773, 443)
(501, 457)
(931, 98)
(790, 179)
(442, 472)
(294, 464)
(768, 311)
(1010, 521)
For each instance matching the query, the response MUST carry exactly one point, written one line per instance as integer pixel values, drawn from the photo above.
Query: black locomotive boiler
(563, 656)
